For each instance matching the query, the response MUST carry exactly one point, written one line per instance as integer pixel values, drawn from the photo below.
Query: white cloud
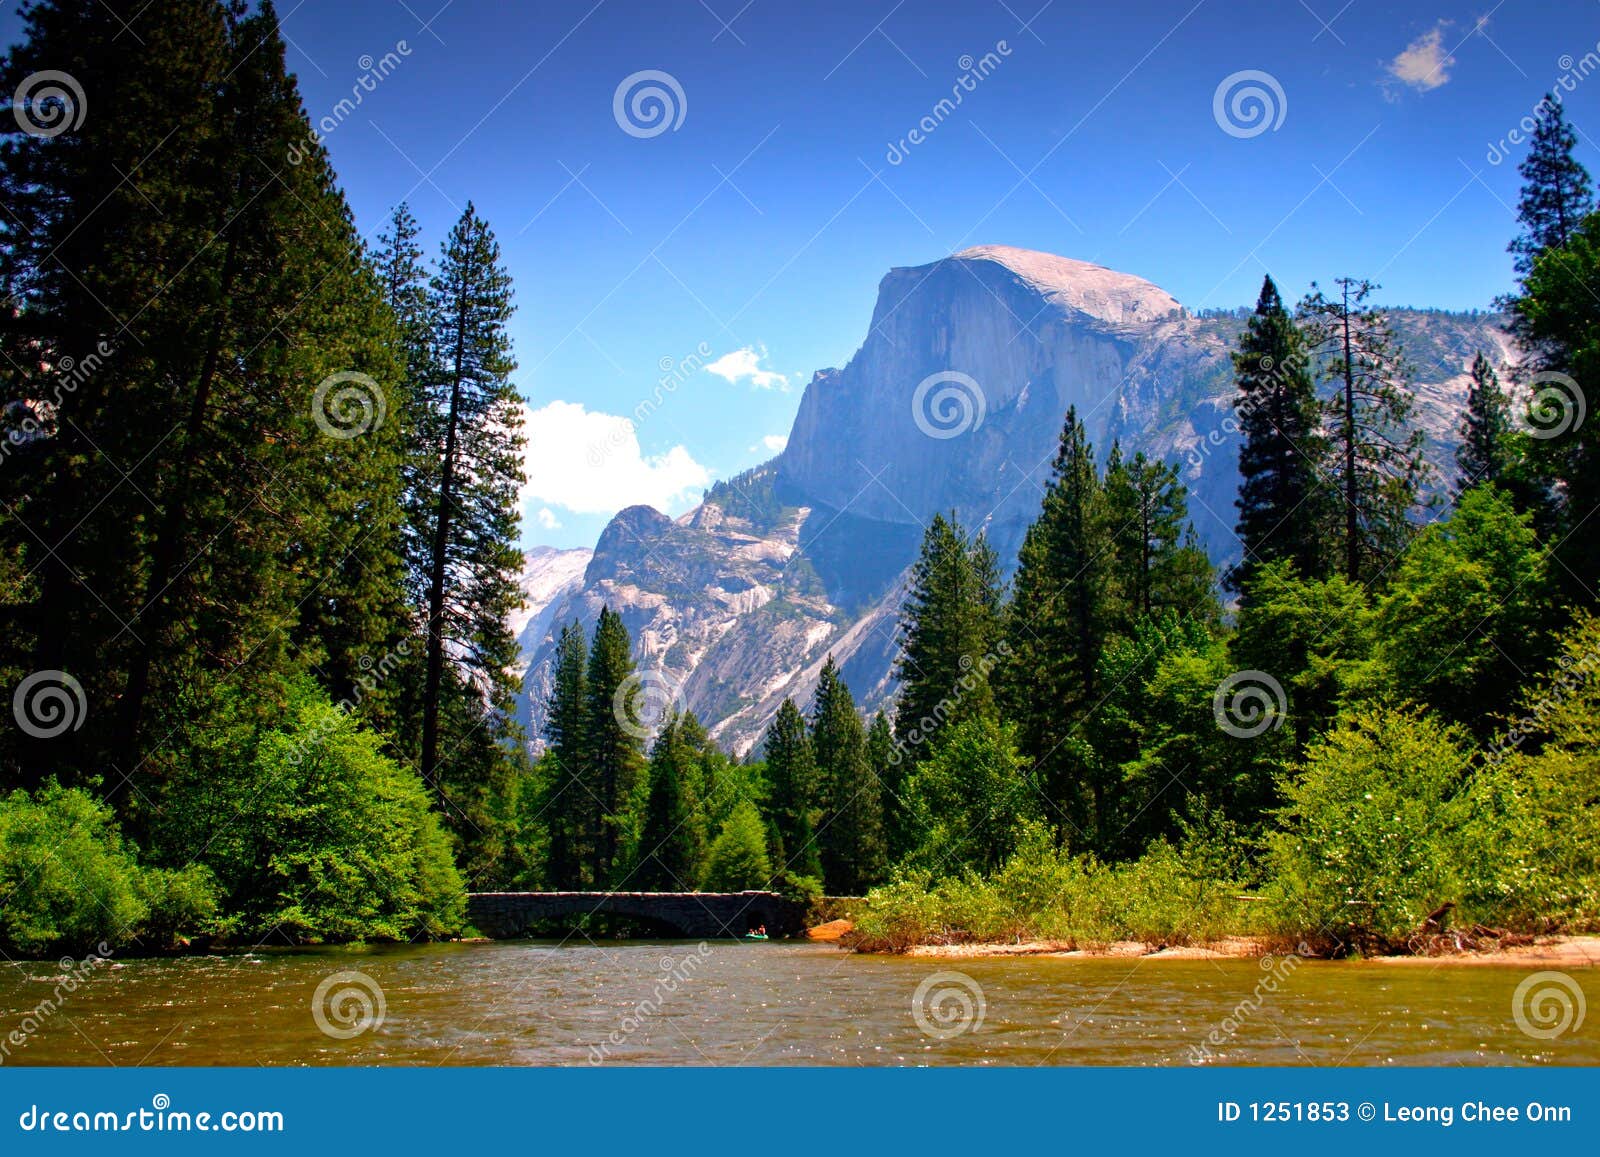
(547, 519)
(775, 442)
(590, 463)
(1425, 64)
(746, 363)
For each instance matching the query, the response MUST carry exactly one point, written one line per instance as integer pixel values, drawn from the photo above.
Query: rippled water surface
(771, 1004)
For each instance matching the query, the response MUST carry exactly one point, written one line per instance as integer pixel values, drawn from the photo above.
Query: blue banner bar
(797, 1110)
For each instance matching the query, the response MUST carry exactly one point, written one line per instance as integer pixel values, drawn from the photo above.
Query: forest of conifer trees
(259, 552)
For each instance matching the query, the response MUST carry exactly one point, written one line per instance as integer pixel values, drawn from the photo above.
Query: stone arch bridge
(691, 915)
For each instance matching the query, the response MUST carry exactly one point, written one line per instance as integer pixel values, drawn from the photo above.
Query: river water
(527, 1002)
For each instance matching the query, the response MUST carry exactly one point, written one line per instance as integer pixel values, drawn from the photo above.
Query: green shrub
(182, 903)
(738, 857)
(1043, 892)
(312, 831)
(897, 915)
(1544, 779)
(68, 880)
(1378, 830)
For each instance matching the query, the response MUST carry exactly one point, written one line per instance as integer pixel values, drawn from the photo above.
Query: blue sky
(753, 232)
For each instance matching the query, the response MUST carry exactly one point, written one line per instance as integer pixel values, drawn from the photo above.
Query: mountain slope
(953, 402)
(549, 576)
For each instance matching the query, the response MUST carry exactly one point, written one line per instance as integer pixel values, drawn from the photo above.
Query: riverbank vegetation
(259, 557)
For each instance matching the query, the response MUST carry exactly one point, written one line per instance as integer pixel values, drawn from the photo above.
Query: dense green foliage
(69, 881)
(310, 830)
(229, 432)
(1394, 732)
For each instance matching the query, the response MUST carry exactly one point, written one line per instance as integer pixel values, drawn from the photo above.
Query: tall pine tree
(1373, 453)
(1059, 618)
(613, 750)
(892, 769)
(196, 507)
(1488, 450)
(569, 806)
(1282, 503)
(403, 277)
(669, 844)
(949, 628)
(1558, 258)
(473, 561)
(1556, 192)
(851, 832)
(792, 805)
(1557, 328)
(1157, 562)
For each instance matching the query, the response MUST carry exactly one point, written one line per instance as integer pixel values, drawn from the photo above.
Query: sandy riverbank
(1544, 952)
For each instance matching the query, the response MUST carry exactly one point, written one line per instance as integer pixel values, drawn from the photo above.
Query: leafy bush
(1378, 830)
(312, 831)
(1314, 637)
(68, 880)
(182, 903)
(1544, 779)
(1043, 892)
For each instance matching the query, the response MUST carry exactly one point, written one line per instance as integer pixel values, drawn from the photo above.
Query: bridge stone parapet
(692, 915)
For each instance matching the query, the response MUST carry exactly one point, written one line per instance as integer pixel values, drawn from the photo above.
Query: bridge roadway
(692, 915)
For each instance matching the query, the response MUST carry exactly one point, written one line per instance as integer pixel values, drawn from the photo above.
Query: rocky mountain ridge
(953, 402)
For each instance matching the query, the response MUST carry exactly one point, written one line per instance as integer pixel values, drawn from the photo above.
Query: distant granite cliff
(953, 402)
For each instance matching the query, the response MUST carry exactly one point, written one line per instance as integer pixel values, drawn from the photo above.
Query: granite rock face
(953, 402)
